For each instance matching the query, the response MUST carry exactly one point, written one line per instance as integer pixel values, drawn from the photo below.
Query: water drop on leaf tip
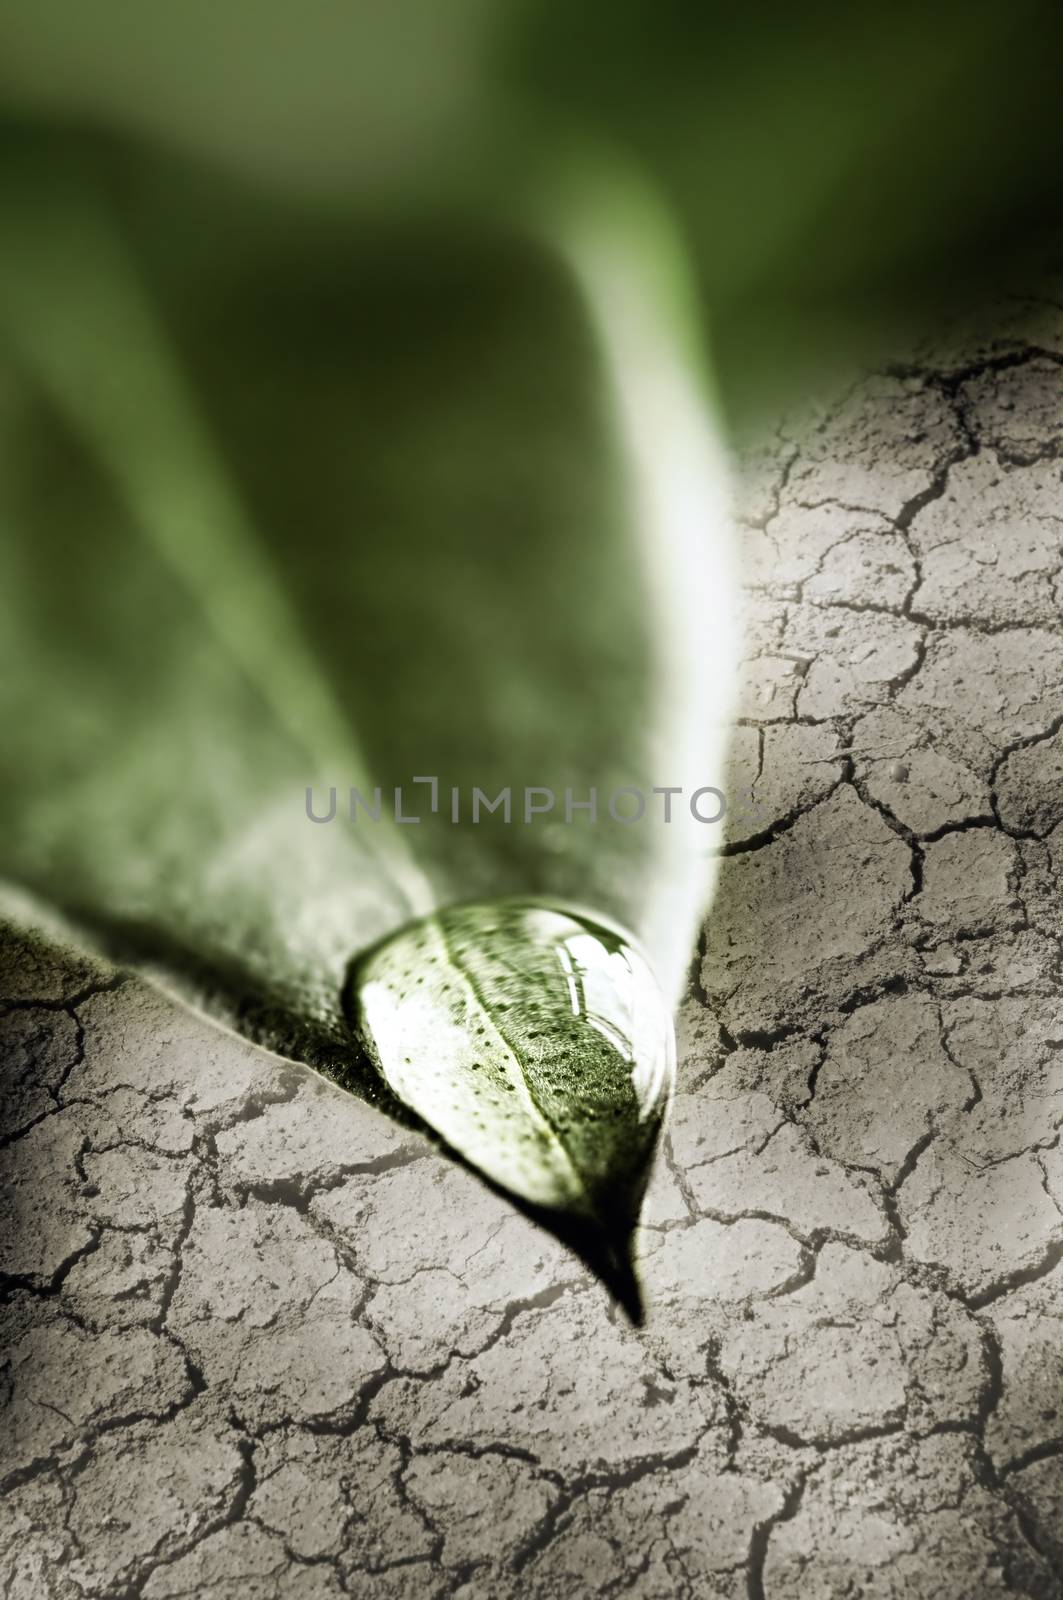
(559, 1105)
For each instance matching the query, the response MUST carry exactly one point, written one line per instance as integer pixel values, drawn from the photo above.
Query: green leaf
(297, 503)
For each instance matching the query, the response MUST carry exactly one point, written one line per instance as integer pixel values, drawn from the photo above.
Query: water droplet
(898, 772)
(539, 1047)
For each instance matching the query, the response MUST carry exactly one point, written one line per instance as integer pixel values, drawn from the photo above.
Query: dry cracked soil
(262, 1344)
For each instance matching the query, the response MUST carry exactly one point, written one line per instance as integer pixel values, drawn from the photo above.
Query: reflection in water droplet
(536, 1042)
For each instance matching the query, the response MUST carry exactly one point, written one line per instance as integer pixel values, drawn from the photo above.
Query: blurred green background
(837, 170)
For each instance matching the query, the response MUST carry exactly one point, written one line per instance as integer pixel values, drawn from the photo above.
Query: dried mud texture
(262, 1344)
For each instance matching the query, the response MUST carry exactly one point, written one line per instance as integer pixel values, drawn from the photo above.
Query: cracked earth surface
(260, 1343)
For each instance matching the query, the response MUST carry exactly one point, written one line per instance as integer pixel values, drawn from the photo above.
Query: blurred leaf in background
(837, 170)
